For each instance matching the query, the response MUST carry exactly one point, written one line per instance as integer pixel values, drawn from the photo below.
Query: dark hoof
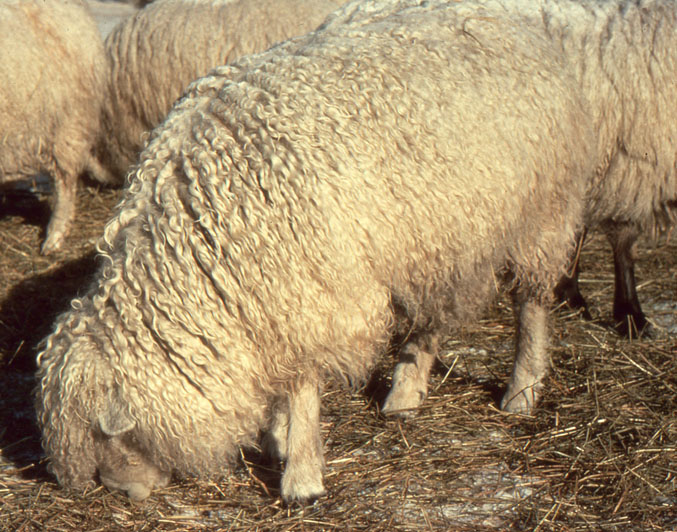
(585, 314)
(634, 328)
(569, 295)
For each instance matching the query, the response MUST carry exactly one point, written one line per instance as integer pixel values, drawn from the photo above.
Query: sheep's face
(122, 464)
(121, 467)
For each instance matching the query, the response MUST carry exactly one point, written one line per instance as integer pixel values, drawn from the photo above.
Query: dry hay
(599, 453)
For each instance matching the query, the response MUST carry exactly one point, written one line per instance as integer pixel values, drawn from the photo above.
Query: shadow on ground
(30, 308)
(26, 205)
(27, 315)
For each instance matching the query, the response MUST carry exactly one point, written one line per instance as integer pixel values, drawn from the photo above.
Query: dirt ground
(599, 453)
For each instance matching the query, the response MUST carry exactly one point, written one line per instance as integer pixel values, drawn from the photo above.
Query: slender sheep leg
(302, 478)
(531, 361)
(410, 378)
(567, 290)
(629, 319)
(63, 211)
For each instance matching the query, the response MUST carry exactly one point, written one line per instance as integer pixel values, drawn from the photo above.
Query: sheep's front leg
(531, 361)
(302, 478)
(410, 378)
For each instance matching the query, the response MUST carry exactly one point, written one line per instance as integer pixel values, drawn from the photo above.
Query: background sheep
(634, 188)
(52, 81)
(157, 52)
(622, 54)
(290, 210)
(629, 318)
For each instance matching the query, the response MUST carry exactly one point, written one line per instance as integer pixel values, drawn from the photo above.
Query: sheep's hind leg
(531, 361)
(410, 378)
(567, 290)
(63, 211)
(274, 441)
(630, 320)
(302, 477)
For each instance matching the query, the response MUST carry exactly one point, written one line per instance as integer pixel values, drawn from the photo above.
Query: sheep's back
(156, 53)
(623, 56)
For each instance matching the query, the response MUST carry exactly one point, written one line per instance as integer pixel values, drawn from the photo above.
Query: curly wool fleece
(289, 203)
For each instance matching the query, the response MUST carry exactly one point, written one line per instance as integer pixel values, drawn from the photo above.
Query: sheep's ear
(115, 419)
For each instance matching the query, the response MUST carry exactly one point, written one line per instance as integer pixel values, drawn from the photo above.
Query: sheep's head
(122, 464)
(87, 426)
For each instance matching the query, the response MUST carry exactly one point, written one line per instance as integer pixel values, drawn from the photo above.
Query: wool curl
(298, 204)
(156, 53)
(622, 55)
(52, 85)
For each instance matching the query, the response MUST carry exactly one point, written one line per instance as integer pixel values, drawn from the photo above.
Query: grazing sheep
(293, 211)
(156, 53)
(623, 56)
(52, 81)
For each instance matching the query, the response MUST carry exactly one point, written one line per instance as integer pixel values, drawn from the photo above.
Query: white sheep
(156, 53)
(52, 84)
(623, 57)
(294, 210)
(623, 53)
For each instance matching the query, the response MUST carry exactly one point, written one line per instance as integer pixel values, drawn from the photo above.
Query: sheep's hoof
(304, 491)
(521, 402)
(303, 500)
(409, 390)
(634, 327)
(52, 243)
(402, 401)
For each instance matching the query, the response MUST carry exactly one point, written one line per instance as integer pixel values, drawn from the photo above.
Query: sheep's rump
(157, 52)
(290, 201)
